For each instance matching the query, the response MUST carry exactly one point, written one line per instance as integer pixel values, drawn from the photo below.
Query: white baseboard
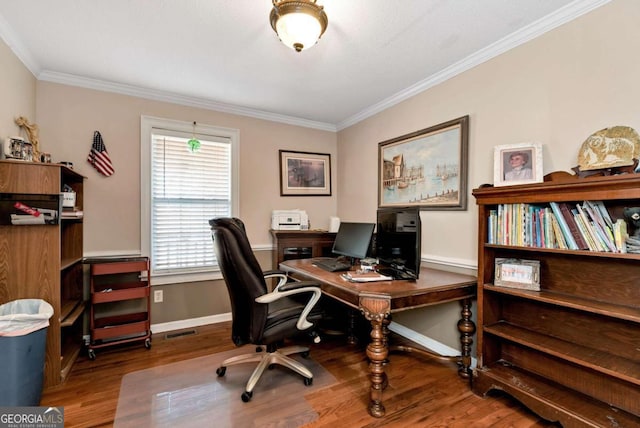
(429, 343)
(190, 323)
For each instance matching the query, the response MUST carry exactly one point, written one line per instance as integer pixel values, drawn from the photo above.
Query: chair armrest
(283, 278)
(304, 287)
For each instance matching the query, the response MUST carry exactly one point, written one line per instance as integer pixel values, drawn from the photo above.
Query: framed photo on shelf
(305, 174)
(517, 273)
(517, 164)
(426, 168)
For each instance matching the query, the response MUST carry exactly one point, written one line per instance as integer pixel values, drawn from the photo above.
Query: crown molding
(8, 35)
(151, 94)
(561, 16)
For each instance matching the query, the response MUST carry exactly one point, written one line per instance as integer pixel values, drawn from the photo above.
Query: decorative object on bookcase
(517, 164)
(31, 129)
(609, 148)
(426, 168)
(517, 273)
(609, 151)
(632, 217)
(18, 149)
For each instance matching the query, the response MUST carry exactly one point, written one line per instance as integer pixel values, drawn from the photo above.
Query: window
(181, 191)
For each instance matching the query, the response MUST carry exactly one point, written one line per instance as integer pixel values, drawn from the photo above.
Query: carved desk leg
(467, 329)
(376, 309)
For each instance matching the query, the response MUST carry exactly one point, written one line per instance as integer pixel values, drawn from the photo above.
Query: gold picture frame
(517, 273)
(426, 168)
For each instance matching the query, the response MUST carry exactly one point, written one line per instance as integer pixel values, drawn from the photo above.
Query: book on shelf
(573, 226)
(584, 230)
(558, 234)
(620, 234)
(600, 225)
(564, 226)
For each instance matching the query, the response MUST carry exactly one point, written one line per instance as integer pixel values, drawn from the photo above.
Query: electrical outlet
(158, 296)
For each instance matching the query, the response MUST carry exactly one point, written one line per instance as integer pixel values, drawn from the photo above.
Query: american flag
(99, 157)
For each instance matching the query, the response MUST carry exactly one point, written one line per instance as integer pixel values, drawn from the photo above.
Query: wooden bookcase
(45, 261)
(571, 351)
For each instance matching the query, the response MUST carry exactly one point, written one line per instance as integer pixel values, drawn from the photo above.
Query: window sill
(178, 278)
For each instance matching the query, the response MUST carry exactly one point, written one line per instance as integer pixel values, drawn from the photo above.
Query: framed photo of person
(517, 164)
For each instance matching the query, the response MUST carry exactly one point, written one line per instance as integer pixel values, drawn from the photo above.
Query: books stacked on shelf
(585, 226)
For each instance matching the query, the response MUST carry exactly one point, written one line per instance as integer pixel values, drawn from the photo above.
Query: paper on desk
(365, 277)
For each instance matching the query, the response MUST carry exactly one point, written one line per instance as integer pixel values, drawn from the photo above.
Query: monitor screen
(353, 239)
(398, 239)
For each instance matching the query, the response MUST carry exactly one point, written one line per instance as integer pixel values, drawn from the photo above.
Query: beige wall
(17, 93)
(68, 116)
(557, 89)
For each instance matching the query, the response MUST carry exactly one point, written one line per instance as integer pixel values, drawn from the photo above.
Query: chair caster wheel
(220, 371)
(308, 381)
(305, 354)
(246, 396)
(272, 366)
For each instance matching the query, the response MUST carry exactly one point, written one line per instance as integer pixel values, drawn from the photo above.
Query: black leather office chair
(260, 317)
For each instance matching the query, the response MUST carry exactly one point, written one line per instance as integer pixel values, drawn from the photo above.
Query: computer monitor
(353, 239)
(398, 237)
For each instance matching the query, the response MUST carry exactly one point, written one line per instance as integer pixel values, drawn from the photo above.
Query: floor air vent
(179, 334)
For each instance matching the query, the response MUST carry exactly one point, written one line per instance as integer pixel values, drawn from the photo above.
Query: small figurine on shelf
(632, 217)
(32, 132)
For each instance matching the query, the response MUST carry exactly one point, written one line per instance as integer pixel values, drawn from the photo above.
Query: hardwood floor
(422, 392)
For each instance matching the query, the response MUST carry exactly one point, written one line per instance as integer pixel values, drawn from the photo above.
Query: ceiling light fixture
(299, 24)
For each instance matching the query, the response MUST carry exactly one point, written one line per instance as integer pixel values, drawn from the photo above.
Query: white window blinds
(185, 190)
(188, 190)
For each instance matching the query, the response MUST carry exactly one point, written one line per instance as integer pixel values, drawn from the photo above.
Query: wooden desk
(378, 300)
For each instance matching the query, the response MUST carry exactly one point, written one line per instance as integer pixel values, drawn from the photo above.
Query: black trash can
(23, 339)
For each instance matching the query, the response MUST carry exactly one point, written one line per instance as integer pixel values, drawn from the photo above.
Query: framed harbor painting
(426, 168)
(305, 174)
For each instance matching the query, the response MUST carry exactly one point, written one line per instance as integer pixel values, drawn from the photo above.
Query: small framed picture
(305, 174)
(517, 164)
(517, 273)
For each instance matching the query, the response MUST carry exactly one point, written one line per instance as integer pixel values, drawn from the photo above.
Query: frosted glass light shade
(299, 24)
(298, 29)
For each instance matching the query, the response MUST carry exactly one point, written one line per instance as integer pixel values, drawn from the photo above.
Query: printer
(289, 220)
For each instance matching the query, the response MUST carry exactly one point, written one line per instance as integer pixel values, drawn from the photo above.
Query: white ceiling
(223, 54)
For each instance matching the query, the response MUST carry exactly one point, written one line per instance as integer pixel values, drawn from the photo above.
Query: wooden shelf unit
(44, 261)
(120, 309)
(570, 352)
(300, 244)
